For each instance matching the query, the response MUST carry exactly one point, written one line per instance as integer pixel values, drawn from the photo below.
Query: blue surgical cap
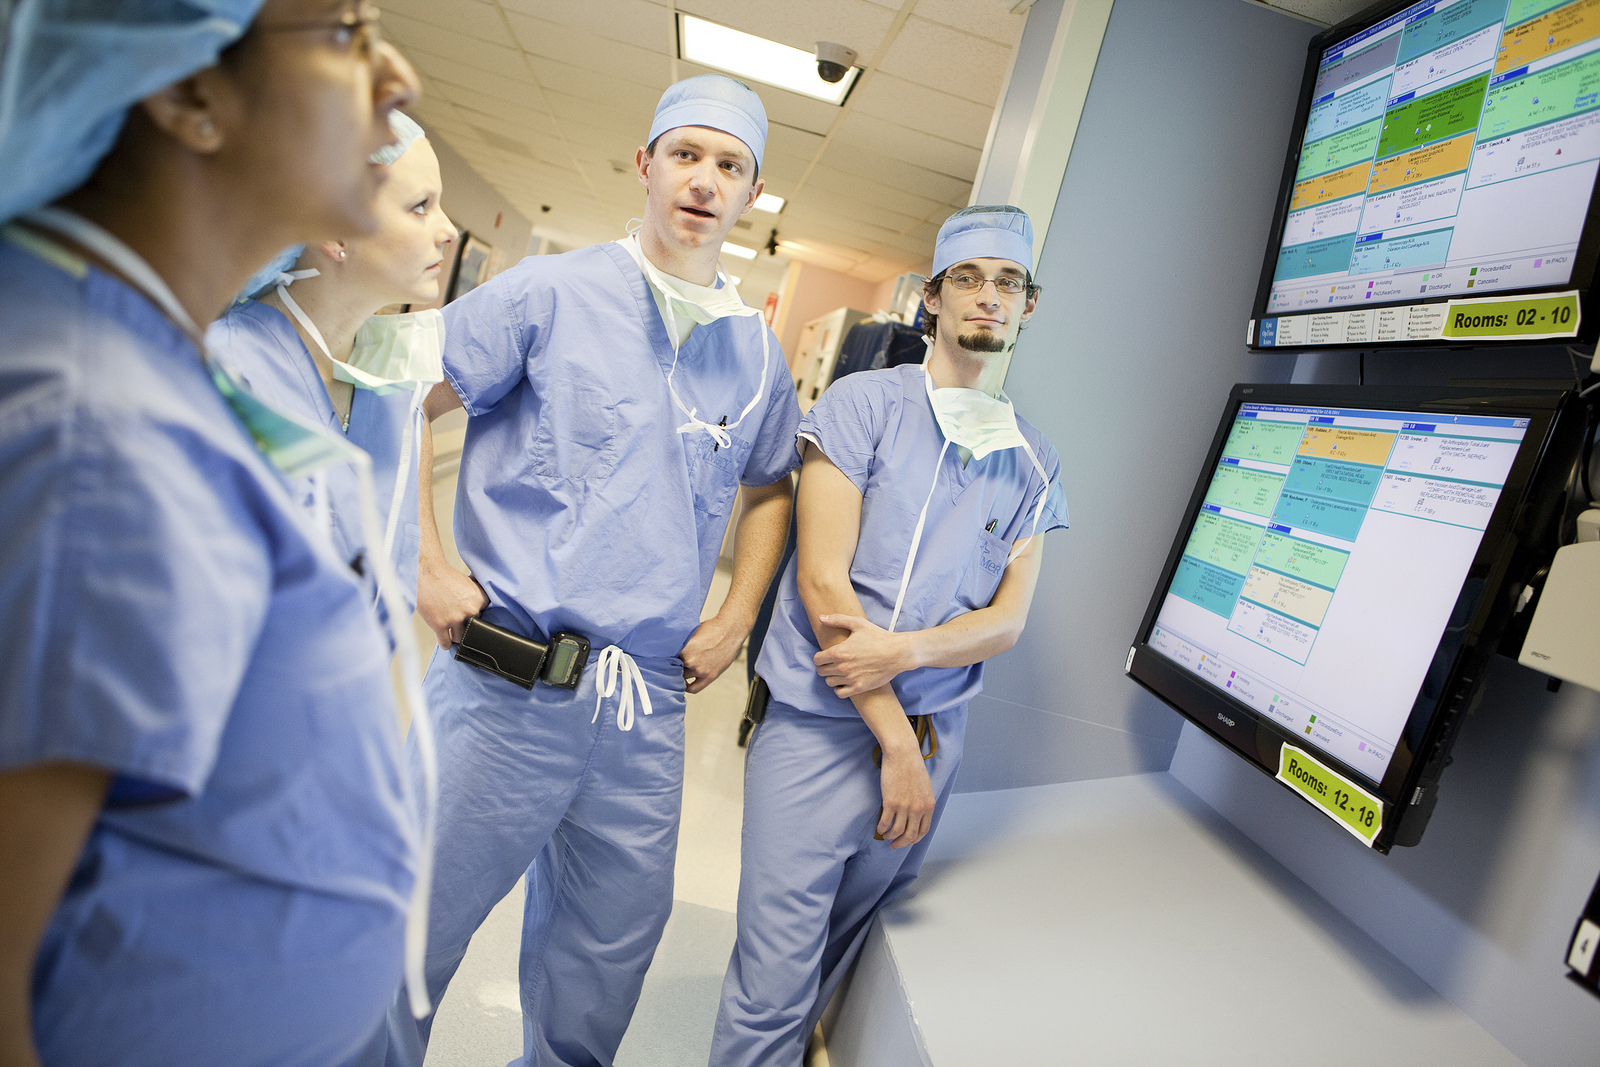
(72, 68)
(409, 133)
(984, 231)
(406, 129)
(716, 101)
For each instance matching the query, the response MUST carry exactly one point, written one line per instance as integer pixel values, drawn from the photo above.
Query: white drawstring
(612, 665)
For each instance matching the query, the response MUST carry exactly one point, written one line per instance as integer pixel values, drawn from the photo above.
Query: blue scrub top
(878, 428)
(579, 506)
(172, 618)
(263, 348)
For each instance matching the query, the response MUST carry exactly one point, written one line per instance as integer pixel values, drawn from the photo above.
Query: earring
(341, 253)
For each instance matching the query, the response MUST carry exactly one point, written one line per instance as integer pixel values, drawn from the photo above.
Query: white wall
(1149, 267)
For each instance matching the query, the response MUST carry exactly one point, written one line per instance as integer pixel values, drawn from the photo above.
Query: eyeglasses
(358, 25)
(1007, 284)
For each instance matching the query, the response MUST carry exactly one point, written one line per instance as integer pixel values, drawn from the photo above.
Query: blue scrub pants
(811, 876)
(590, 813)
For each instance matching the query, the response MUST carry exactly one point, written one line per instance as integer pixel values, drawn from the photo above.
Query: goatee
(981, 341)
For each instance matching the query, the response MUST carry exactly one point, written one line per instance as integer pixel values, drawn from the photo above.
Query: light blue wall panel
(1149, 270)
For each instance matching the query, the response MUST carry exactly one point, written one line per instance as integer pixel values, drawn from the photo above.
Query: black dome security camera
(834, 61)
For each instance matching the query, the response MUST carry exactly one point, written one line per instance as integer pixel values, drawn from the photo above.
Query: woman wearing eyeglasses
(207, 848)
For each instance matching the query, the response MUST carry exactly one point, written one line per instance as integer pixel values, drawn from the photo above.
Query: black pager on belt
(522, 660)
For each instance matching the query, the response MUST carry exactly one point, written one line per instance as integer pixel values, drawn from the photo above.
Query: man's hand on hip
(446, 599)
(714, 645)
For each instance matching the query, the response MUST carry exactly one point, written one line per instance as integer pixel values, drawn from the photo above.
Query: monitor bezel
(1519, 523)
(1586, 260)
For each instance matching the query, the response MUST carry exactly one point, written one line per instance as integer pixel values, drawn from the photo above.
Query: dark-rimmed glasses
(1006, 284)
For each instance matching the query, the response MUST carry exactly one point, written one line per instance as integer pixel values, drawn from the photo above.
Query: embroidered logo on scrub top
(993, 558)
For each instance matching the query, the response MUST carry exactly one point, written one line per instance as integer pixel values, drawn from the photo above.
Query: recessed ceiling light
(768, 202)
(738, 250)
(758, 59)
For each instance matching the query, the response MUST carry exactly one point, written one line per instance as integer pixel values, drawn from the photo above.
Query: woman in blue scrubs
(311, 342)
(206, 843)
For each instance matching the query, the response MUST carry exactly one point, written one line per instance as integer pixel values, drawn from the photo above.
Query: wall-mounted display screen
(1331, 567)
(1445, 151)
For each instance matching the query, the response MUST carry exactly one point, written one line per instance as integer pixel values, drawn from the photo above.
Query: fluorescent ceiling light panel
(748, 56)
(768, 202)
(735, 279)
(739, 250)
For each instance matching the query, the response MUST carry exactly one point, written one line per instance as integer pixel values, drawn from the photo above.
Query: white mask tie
(724, 306)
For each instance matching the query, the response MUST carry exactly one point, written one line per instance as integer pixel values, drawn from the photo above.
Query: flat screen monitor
(1440, 181)
(1348, 559)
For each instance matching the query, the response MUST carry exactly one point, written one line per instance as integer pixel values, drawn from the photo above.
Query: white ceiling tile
(911, 146)
(984, 18)
(922, 108)
(871, 192)
(476, 18)
(517, 90)
(618, 94)
(790, 141)
(635, 22)
(944, 58)
(580, 48)
(485, 110)
(412, 37)
(895, 173)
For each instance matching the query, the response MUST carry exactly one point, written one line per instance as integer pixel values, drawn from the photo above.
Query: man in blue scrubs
(618, 396)
(921, 502)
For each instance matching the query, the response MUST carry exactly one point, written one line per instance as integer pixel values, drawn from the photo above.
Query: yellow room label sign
(1338, 797)
(1513, 317)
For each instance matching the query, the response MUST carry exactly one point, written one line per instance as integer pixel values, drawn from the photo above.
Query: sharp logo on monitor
(1225, 719)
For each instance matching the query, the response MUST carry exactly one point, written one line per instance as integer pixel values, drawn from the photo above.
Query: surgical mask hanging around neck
(392, 353)
(973, 419)
(989, 432)
(704, 305)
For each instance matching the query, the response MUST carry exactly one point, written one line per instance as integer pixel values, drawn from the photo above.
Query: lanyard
(134, 270)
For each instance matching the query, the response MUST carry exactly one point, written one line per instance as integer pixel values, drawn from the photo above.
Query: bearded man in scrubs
(619, 397)
(921, 503)
(207, 843)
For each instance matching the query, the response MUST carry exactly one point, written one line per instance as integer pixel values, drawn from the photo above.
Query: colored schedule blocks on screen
(1264, 440)
(1241, 489)
(1212, 588)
